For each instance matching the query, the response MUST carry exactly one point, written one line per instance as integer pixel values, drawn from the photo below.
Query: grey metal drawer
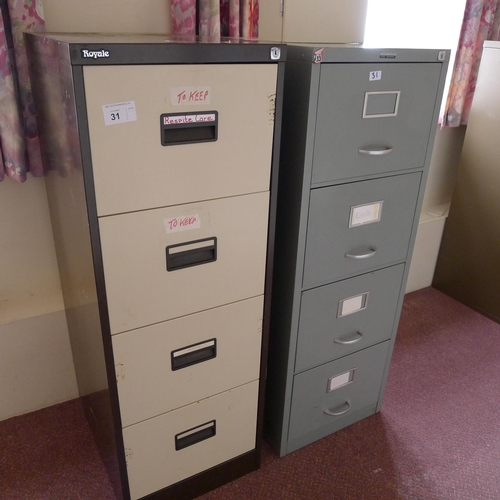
(384, 123)
(357, 227)
(317, 411)
(347, 316)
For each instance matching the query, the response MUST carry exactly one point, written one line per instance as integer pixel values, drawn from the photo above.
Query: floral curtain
(214, 18)
(19, 148)
(481, 22)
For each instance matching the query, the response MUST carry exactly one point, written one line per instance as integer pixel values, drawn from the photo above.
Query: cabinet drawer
(169, 448)
(347, 316)
(342, 388)
(168, 365)
(219, 257)
(384, 123)
(357, 227)
(134, 171)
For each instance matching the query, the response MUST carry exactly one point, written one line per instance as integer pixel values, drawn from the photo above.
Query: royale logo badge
(94, 54)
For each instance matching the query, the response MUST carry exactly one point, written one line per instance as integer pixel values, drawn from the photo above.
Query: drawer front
(134, 171)
(347, 316)
(169, 448)
(384, 125)
(357, 227)
(216, 258)
(328, 396)
(172, 364)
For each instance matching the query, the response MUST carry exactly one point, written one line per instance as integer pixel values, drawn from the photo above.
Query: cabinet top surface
(97, 48)
(338, 53)
(488, 44)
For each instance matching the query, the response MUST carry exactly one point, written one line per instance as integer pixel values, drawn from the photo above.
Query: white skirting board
(425, 253)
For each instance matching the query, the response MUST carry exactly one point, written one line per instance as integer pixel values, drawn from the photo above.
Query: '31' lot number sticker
(120, 112)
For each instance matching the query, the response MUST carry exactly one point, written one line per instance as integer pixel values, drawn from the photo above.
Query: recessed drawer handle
(191, 253)
(188, 128)
(364, 254)
(193, 354)
(350, 340)
(376, 152)
(341, 410)
(195, 435)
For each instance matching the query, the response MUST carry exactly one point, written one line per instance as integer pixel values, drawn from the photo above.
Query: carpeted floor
(436, 438)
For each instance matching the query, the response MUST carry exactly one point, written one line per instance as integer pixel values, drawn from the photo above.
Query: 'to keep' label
(182, 223)
(190, 95)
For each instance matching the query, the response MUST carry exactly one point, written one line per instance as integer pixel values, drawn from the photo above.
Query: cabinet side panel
(293, 151)
(467, 267)
(56, 110)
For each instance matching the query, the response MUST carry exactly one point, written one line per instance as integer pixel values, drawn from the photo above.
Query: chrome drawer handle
(376, 152)
(351, 340)
(340, 410)
(363, 254)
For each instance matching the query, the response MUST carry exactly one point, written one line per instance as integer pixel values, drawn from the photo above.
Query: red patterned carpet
(436, 438)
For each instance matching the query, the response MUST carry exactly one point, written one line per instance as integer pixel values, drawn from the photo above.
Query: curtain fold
(19, 146)
(481, 22)
(215, 18)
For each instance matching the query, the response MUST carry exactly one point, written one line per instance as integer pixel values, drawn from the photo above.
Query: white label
(375, 75)
(339, 381)
(172, 120)
(120, 112)
(190, 95)
(182, 223)
(365, 214)
(351, 305)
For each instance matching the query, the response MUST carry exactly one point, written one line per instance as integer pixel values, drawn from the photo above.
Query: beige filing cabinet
(163, 214)
(467, 268)
(326, 21)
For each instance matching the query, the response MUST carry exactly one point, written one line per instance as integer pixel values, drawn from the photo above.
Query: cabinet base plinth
(210, 479)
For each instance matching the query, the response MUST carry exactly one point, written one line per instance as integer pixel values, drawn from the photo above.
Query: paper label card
(375, 75)
(340, 380)
(352, 305)
(365, 214)
(176, 119)
(182, 223)
(120, 112)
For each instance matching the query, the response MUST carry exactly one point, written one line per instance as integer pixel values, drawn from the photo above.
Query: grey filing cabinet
(163, 213)
(358, 130)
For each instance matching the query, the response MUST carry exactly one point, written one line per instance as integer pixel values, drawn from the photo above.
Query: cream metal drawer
(357, 227)
(331, 396)
(134, 171)
(373, 118)
(169, 448)
(347, 316)
(168, 365)
(220, 258)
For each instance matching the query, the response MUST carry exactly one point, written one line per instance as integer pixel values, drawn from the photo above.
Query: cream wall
(36, 367)
(107, 16)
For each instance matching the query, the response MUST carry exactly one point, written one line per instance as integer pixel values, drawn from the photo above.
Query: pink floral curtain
(481, 22)
(214, 18)
(19, 148)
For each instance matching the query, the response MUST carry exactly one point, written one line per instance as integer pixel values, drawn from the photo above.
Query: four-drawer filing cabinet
(358, 130)
(163, 213)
